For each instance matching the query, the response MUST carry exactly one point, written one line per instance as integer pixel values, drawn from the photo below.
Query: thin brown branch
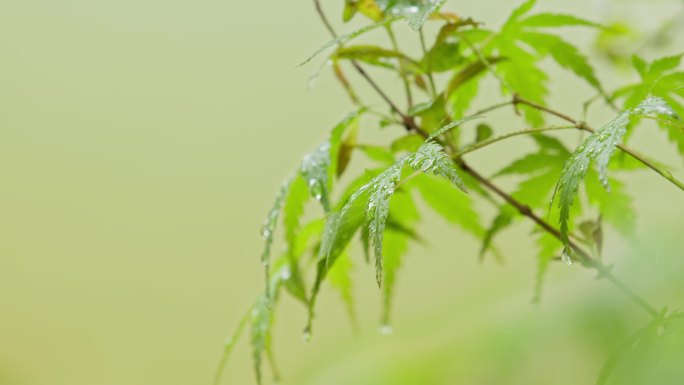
(324, 19)
(517, 99)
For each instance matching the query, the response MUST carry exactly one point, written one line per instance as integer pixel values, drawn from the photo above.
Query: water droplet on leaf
(566, 258)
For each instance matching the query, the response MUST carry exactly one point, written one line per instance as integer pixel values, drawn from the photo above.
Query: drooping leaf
(315, 166)
(597, 147)
(340, 227)
(373, 198)
(320, 167)
(378, 210)
(262, 316)
(261, 334)
(271, 222)
(293, 209)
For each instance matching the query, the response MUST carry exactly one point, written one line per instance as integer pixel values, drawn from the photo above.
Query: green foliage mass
(428, 159)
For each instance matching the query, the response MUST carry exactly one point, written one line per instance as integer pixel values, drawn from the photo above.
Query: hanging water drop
(285, 274)
(566, 258)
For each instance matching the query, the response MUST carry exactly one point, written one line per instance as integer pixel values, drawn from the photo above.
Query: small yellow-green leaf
(484, 132)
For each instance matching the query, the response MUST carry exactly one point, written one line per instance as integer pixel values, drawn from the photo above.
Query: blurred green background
(141, 143)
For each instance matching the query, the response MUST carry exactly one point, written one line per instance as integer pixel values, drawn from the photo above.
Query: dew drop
(566, 258)
(285, 274)
(386, 330)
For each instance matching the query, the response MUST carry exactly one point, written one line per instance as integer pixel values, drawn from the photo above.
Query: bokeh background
(141, 143)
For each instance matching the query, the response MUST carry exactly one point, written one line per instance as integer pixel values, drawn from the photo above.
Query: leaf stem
(517, 99)
(494, 107)
(484, 143)
(665, 173)
(428, 63)
(402, 67)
